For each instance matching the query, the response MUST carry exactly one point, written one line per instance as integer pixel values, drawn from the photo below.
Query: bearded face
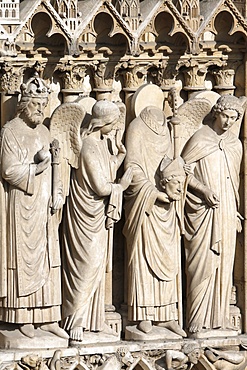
(34, 111)
(174, 187)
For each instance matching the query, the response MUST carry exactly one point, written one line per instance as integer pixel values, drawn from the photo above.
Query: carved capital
(224, 78)
(134, 74)
(72, 75)
(164, 75)
(194, 77)
(10, 78)
(103, 76)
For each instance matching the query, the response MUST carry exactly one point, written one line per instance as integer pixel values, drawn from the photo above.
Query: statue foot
(55, 329)
(27, 330)
(145, 326)
(195, 328)
(174, 327)
(76, 333)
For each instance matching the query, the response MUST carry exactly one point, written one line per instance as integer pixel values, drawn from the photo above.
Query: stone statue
(30, 288)
(152, 226)
(93, 206)
(180, 360)
(211, 217)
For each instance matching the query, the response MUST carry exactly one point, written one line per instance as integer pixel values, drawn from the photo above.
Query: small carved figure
(30, 288)
(152, 226)
(93, 205)
(180, 360)
(211, 217)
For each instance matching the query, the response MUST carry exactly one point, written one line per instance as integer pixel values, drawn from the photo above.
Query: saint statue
(153, 223)
(211, 217)
(30, 284)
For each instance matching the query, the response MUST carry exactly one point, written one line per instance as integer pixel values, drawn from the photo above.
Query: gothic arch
(103, 26)
(41, 25)
(164, 26)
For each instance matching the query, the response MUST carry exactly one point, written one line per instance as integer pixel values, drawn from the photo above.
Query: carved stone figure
(211, 217)
(93, 205)
(180, 360)
(152, 226)
(30, 288)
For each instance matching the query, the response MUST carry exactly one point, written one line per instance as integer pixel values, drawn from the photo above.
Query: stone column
(134, 75)
(224, 81)
(73, 76)
(194, 78)
(103, 75)
(10, 81)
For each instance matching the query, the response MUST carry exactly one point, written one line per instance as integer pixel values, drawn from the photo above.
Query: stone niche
(101, 183)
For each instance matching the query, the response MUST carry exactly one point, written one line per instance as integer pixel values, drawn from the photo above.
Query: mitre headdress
(171, 167)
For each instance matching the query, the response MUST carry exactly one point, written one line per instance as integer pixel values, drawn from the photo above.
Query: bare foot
(145, 326)
(27, 330)
(173, 326)
(76, 333)
(195, 328)
(54, 328)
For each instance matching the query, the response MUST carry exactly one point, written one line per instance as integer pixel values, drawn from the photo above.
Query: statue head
(193, 351)
(34, 99)
(105, 115)
(226, 102)
(172, 177)
(226, 111)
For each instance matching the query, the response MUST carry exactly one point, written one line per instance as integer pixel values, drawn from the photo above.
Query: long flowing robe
(30, 267)
(151, 229)
(211, 232)
(89, 215)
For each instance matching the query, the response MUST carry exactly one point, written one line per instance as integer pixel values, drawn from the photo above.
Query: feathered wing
(65, 126)
(237, 125)
(192, 113)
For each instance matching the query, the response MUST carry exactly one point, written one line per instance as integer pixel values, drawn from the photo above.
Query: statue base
(12, 338)
(157, 333)
(90, 337)
(215, 333)
(114, 321)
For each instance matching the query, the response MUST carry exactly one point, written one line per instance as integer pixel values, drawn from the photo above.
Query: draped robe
(87, 224)
(30, 266)
(151, 229)
(211, 233)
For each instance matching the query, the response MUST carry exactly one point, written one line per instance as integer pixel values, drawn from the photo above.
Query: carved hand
(121, 148)
(188, 169)
(58, 204)
(239, 224)
(126, 179)
(211, 198)
(42, 166)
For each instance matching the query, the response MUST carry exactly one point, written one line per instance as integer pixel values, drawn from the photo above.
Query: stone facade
(135, 54)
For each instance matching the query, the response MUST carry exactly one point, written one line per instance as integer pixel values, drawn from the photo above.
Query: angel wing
(191, 114)
(65, 126)
(237, 125)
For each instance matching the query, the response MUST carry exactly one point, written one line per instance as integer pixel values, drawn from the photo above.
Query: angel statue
(153, 226)
(213, 155)
(92, 207)
(30, 285)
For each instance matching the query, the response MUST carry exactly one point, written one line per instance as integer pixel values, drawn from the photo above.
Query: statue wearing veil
(153, 223)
